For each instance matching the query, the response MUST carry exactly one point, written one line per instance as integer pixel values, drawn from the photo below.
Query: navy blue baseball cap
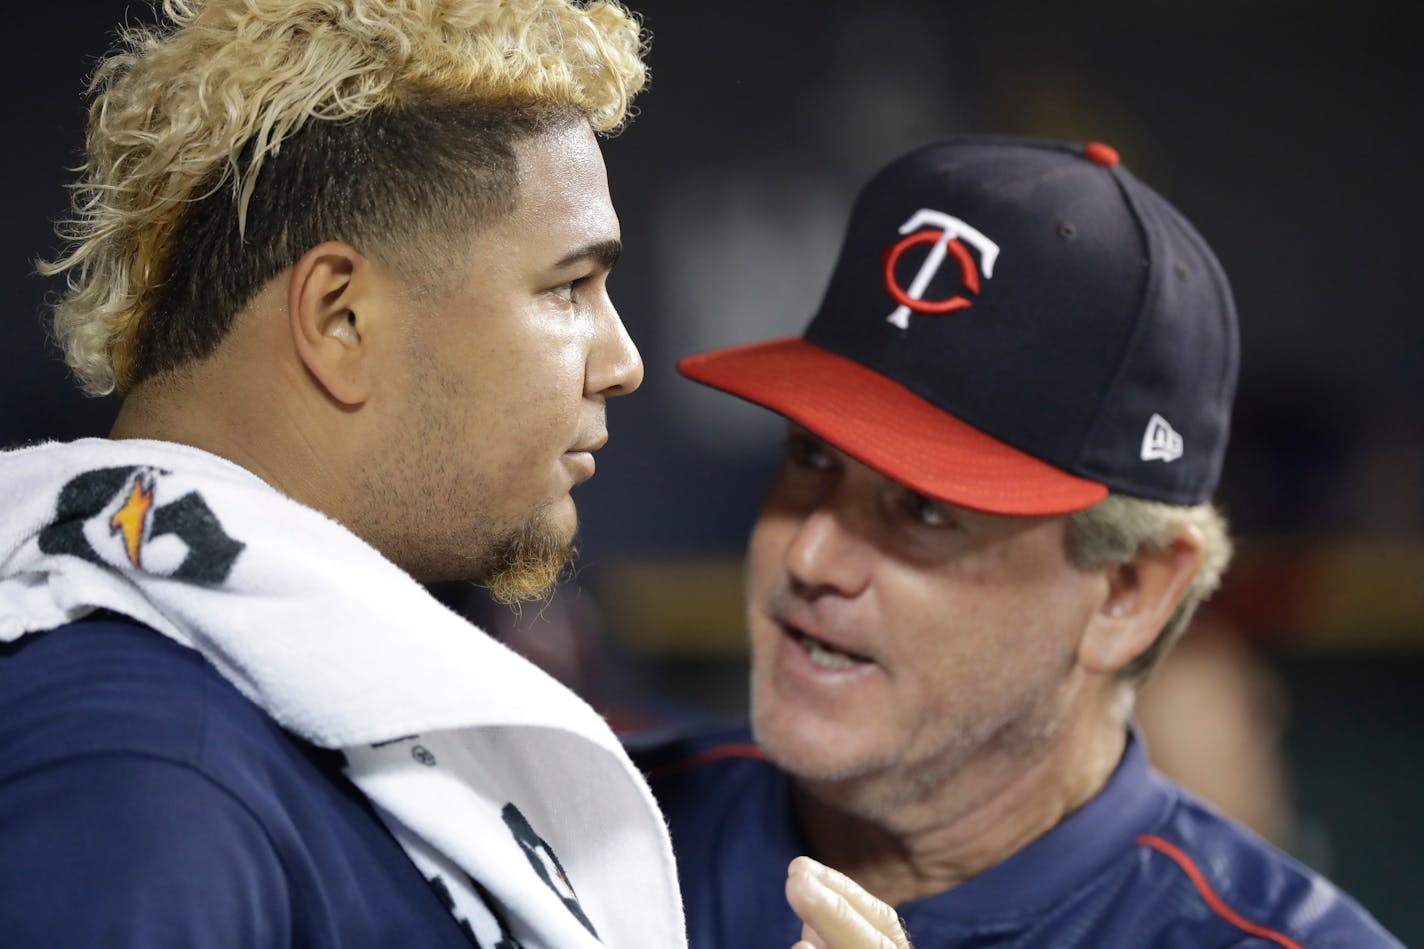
(1015, 326)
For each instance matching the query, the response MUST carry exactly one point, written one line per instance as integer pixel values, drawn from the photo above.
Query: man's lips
(583, 464)
(824, 649)
(581, 456)
(591, 444)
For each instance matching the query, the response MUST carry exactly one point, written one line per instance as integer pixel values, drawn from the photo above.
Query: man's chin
(528, 563)
(530, 578)
(816, 750)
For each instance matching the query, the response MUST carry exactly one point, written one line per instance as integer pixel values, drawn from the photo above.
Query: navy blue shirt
(146, 804)
(1142, 864)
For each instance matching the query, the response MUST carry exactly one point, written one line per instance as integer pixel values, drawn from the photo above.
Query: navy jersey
(1142, 864)
(146, 804)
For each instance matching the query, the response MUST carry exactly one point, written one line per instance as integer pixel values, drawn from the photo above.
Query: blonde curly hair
(406, 111)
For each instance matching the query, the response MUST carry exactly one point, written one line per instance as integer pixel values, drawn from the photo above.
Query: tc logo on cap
(927, 226)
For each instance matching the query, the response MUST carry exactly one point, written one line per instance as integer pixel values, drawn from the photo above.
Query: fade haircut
(235, 135)
(1118, 528)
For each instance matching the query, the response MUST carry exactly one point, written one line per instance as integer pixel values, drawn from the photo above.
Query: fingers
(837, 912)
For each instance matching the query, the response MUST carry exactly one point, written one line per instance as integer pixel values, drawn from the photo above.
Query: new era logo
(1160, 442)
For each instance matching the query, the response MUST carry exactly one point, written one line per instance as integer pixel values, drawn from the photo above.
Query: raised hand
(837, 913)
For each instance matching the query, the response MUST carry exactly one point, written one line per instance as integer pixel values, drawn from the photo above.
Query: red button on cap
(1104, 155)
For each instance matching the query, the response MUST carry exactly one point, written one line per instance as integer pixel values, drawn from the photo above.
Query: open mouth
(824, 654)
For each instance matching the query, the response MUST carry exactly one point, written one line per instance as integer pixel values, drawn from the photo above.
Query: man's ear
(330, 310)
(1141, 597)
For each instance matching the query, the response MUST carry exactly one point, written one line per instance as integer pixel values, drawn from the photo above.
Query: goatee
(527, 563)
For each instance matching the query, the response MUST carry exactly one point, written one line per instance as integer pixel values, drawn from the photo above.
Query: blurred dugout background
(1289, 132)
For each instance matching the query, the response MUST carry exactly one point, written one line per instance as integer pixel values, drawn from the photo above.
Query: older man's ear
(1139, 599)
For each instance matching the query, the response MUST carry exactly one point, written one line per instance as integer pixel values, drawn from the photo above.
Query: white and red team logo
(945, 233)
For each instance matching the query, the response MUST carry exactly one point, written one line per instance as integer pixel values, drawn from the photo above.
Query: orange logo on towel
(84, 511)
(129, 519)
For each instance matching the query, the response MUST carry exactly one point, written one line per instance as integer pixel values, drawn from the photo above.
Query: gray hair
(1115, 530)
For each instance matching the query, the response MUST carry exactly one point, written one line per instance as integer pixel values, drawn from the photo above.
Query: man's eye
(927, 511)
(564, 291)
(806, 452)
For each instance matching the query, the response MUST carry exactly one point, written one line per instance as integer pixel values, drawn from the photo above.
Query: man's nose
(614, 365)
(825, 556)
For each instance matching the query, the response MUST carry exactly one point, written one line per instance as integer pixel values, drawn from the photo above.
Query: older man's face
(897, 640)
(506, 378)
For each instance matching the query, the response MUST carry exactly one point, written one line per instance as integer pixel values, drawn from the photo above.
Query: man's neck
(236, 421)
(964, 825)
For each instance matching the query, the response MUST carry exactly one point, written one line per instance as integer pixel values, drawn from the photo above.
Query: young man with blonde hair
(345, 264)
(991, 518)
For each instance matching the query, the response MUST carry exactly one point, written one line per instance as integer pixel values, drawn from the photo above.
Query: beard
(526, 563)
(515, 563)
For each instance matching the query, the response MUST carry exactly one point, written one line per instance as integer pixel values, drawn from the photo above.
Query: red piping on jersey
(1209, 895)
(706, 757)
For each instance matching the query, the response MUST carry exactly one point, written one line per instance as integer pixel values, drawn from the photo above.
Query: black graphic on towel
(506, 938)
(211, 552)
(442, 893)
(546, 863)
(491, 907)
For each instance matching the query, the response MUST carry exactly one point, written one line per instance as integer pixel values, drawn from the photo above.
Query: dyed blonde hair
(191, 112)
(1117, 529)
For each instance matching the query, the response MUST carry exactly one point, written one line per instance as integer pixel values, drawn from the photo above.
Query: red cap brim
(889, 428)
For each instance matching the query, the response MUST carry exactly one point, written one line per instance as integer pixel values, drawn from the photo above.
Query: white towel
(477, 760)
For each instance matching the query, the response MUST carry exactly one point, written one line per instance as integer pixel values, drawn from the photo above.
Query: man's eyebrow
(603, 253)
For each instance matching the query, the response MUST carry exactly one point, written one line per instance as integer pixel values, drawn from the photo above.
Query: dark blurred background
(1289, 132)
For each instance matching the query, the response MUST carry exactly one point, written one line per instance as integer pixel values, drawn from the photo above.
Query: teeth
(828, 657)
